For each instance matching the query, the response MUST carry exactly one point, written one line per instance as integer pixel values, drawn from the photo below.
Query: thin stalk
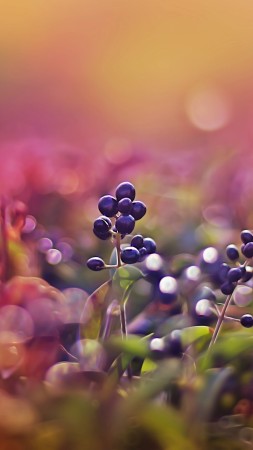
(123, 324)
(222, 316)
(118, 237)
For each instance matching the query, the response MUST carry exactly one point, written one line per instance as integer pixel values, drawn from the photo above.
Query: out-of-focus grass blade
(93, 312)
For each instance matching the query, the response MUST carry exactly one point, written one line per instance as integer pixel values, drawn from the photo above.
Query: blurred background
(157, 92)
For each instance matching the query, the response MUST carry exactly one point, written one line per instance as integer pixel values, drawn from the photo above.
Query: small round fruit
(224, 269)
(150, 245)
(108, 205)
(95, 264)
(103, 236)
(248, 250)
(137, 241)
(138, 210)
(125, 205)
(143, 252)
(247, 320)
(232, 252)
(102, 224)
(247, 275)
(234, 274)
(125, 189)
(125, 224)
(246, 236)
(130, 255)
(227, 288)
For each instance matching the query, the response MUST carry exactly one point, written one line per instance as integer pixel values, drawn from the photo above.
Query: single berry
(125, 189)
(125, 224)
(138, 210)
(232, 252)
(95, 263)
(102, 224)
(234, 274)
(137, 241)
(125, 205)
(248, 250)
(224, 269)
(246, 236)
(150, 245)
(102, 236)
(247, 321)
(227, 288)
(143, 252)
(174, 345)
(108, 205)
(130, 255)
(167, 290)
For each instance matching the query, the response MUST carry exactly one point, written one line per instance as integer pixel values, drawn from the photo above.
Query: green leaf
(148, 366)
(123, 280)
(93, 312)
(132, 345)
(189, 335)
(229, 347)
(209, 397)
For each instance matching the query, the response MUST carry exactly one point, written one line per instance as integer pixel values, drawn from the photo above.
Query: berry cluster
(125, 210)
(231, 276)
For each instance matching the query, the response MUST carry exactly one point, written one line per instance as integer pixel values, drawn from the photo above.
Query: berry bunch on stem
(118, 218)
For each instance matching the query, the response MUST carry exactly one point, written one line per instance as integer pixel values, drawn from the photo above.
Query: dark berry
(143, 252)
(247, 275)
(167, 290)
(102, 236)
(150, 245)
(246, 236)
(224, 269)
(137, 241)
(227, 288)
(125, 205)
(102, 224)
(95, 263)
(247, 321)
(125, 224)
(108, 205)
(130, 255)
(174, 345)
(232, 252)
(248, 250)
(125, 189)
(138, 210)
(234, 274)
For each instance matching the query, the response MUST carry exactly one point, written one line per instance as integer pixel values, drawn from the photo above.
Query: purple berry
(125, 189)
(224, 269)
(138, 210)
(246, 236)
(247, 275)
(125, 224)
(108, 205)
(227, 288)
(102, 224)
(143, 252)
(137, 241)
(232, 252)
(95, 264)
(150, 245)
(103, 236)
(247, 321)
(248, 250)
(130, 255)
(234, 274)
(125, 205)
